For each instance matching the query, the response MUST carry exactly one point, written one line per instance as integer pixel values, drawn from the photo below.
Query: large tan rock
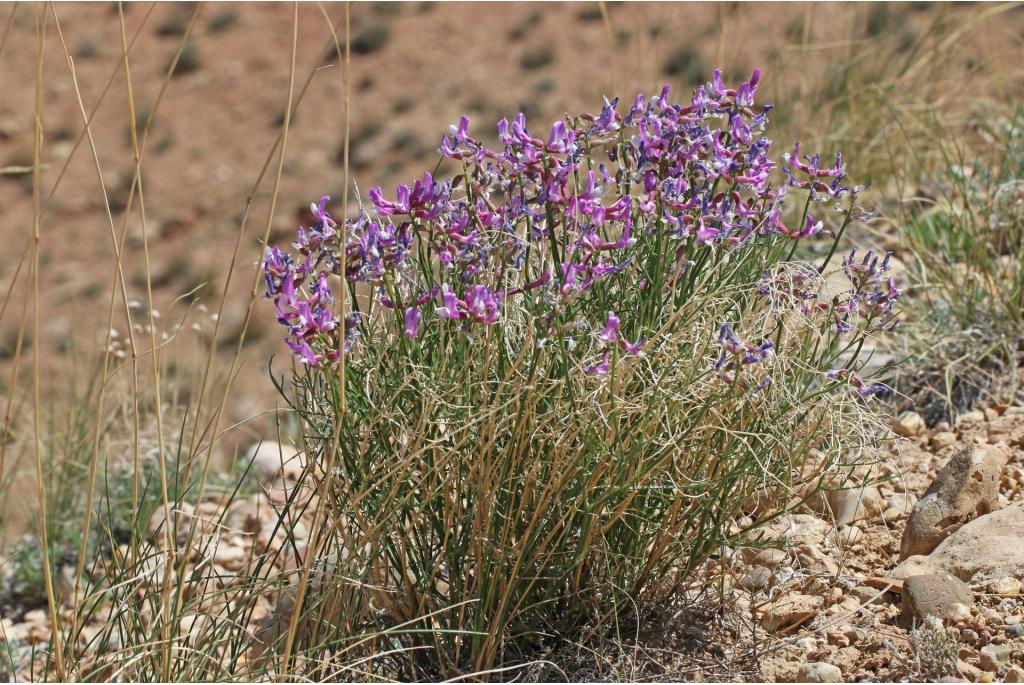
(967, 486)
(984, 550)
(931, 595)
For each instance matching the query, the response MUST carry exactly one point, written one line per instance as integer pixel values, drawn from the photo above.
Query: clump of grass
(522, 28)
(966, 237)
(372, 37)
(500, 455)
(537, 57)
(934, 650)
(223, 20)
(685, 63)
(189, 61)
(174, 24)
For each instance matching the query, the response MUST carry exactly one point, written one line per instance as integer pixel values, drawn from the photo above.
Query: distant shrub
(537, 57)
(370, 38)
(174, 24)
(86, 49)
(521, 28)
(685, 63)
(223, 20)
(189, 60)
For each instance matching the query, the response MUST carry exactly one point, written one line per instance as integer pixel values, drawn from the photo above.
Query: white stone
(820, 672)
(958, 612)
(1005, 587)
(272, 458)
(909, 424)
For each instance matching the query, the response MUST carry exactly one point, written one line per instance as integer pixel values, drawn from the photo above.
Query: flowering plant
(551, 354)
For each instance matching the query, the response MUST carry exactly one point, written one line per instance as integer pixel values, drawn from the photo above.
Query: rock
(1014, 674)
(857, 503)
(969, 671)
(1004, 587)
(942, 439)
(903, 502)
(183, 512)
(868, 595)
(958, 613)
(269, 459)
(848, 536)
(908, 424)
(796, 529)
(994, 657)
(1014, 630)
(970, 418)
(819, 672)
(790, 611)
(931, 595)
(196, 626)
(756, 579)
(983, 550)
(837, 638)
(806, 643)
(985, 677)
(769, 557)
(1008, 429)
(967, 486)
(230, 556)
(854, 635)
(15, 632)
(968, 635)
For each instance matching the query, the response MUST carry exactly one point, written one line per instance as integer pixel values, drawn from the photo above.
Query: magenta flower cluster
(737, 355)
(873, 295)
(549, 219)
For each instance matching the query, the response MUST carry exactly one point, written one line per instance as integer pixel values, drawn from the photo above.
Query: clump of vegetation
(685, 63)
(370, 38)
(537, 57)
(522, 28)
(223, 20)
(174, 24)
(189, 60)
(934, 650)
(583, 357)
(967, 239)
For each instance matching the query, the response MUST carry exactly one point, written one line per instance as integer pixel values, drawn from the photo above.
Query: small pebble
(958, 612)
(1015, 630)
(847, 536)
(855, 635)
(943, 439)
(970, 417)
(806, 643)
(968, 635)
(909, 424)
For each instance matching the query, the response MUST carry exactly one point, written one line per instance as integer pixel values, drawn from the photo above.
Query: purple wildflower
(412, 322)
(600, 368)
(610, 333)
